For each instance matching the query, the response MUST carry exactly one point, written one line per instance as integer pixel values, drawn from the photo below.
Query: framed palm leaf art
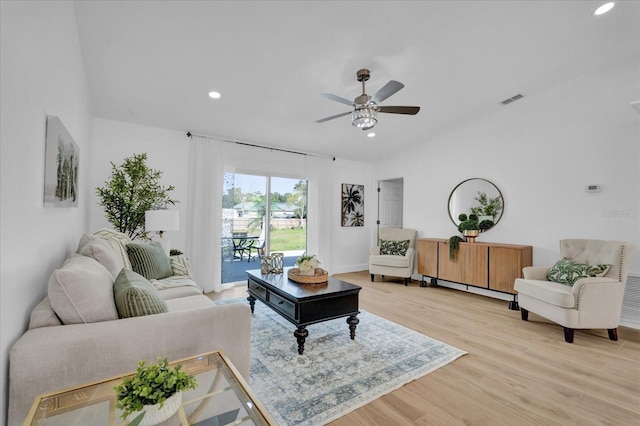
(352, 205)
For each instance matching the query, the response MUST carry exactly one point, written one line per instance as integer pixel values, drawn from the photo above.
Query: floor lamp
(162, 221)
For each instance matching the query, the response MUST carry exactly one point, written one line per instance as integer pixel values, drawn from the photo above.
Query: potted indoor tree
(132, 189)
(153, 393)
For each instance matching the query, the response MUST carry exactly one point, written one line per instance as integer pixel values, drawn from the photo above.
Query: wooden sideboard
(485, 265)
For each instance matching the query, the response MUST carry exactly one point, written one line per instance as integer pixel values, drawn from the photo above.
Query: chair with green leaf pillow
(394, 255)
(583, 290)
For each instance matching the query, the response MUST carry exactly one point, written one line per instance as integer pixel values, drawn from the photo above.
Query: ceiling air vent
(512, 99)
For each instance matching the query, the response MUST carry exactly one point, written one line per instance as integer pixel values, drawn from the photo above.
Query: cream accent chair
(393, 265)
(591, 302)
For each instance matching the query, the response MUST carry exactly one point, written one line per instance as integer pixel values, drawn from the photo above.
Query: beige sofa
(77, 334)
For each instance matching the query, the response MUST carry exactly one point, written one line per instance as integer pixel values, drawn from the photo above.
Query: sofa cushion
(118, 242)
(178, 292)
(547, 291)
(566, 271)
(82, 291)
(102, 251)
(189, 303)
(135, 296)
(149, 260)
(396, 248)
(390, 260)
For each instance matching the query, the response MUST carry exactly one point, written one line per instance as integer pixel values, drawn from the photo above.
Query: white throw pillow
(82, 291)
(118, 241)
(102, 251)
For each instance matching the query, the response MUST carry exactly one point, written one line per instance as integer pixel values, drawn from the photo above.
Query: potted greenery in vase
(154, 393)
(469, 226)
(307, 264)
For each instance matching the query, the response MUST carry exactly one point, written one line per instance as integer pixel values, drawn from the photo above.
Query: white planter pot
(308, 272)
(154, 415)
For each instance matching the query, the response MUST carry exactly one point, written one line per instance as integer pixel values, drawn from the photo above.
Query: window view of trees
(281, 227)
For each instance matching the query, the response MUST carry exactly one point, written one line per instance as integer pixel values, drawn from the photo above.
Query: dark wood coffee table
(304, 304)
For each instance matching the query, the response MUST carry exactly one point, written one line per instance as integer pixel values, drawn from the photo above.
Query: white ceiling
(153, 63)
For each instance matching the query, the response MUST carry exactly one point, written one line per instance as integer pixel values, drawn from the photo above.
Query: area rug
(335, 375)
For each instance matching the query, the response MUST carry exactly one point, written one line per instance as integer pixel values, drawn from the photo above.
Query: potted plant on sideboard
(469, 226)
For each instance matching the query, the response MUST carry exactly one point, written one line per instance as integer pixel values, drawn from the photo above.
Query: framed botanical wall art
(352, 205)
(61, 158)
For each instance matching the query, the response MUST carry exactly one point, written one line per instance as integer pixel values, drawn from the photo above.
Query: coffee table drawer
(283, 305)
(258, 290)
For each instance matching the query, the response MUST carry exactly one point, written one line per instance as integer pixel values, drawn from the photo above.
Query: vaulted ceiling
(153, 63)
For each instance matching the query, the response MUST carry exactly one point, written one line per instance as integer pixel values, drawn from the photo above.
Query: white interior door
(390, 203)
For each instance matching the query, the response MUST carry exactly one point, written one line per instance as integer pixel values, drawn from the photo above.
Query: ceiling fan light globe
(364, 117)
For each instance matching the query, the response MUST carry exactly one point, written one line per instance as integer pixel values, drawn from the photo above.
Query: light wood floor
(516, 372)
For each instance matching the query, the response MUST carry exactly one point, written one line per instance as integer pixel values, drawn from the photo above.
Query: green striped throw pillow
(149, 260)
(135, 296)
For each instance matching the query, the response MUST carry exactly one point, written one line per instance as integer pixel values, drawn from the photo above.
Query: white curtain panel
(204, 217)
(318, 172)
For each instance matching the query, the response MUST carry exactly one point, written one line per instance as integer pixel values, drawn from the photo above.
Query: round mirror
(476, 197)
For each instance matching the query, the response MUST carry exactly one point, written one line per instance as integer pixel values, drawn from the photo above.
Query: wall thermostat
(594, 188)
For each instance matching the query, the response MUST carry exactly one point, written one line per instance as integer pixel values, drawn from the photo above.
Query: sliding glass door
(261, 215)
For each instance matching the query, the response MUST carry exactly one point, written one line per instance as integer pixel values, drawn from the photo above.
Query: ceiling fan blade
(410, 110)
(387, 90)
(322, 120)
(332, 97)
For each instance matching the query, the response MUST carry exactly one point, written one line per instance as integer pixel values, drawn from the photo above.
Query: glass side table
(222, 397)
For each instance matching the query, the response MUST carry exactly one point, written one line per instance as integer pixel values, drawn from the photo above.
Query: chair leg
(371, 277)
(613, 334)
(406, 281)
(524, 314)
(568, 334)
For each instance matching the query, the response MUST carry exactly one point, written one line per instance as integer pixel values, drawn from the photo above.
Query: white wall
(167, 151)
(541, 152)
(350, 251)
(41, 73)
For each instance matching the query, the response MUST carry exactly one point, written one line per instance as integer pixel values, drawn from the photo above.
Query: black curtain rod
(190, 135)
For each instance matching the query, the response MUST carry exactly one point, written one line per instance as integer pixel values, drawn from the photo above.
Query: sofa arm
(49, 359)
(375, 251)
(535, 273)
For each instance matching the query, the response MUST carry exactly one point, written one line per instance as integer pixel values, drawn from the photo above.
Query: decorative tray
(321, 276)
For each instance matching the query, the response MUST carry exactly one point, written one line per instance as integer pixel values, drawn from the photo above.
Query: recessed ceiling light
(604, 8)
(371, 134)
(214, 95)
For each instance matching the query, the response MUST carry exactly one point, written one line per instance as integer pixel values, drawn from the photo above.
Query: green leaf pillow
(149, 260)
(566, 271)
(397, 248)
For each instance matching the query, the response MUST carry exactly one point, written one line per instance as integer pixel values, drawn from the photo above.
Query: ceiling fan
(365, 107)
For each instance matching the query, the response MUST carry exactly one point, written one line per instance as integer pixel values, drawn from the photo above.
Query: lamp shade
(161, 220)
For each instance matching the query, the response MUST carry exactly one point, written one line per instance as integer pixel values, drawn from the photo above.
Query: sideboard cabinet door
(505, 265)
(428, 257)
(471, 265)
